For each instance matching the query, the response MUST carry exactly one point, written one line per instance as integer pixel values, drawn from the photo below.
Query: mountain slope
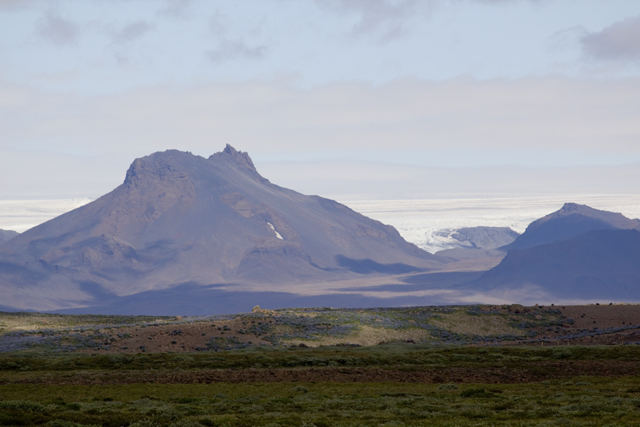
(570, 221)
(7, 235)
(599, 264)
(180, 218)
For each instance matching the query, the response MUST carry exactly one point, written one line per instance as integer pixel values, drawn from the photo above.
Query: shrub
(475, 392)
(561, 353)
(186, 423)
(301, 389)
(448, 387)
(62, 423)
(22, 405)
(144, 423)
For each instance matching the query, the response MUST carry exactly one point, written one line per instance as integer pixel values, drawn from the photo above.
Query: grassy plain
(419, 366)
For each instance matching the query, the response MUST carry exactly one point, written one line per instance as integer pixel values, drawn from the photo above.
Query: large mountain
(570, 221)
(598, 264)
(180, 218)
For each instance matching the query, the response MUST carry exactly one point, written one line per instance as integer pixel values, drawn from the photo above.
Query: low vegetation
(419, 366)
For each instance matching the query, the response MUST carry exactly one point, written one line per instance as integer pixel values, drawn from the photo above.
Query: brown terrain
(590, 320)
(577, 325)
(185, 337)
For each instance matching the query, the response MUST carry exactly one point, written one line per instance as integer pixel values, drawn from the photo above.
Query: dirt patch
(602, 316)
(185, 337)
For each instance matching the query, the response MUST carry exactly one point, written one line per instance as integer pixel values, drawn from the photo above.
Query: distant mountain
(485, 237)
(180, 218)
(598, 264)
(7, 235)
(570, 221)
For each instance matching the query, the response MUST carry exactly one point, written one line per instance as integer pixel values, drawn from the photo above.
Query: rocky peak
(572, 207)
(164, 165)
(240, 158)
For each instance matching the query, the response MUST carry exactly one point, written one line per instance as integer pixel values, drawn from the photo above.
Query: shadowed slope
(599, 264)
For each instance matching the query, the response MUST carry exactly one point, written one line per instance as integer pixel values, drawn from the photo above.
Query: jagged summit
(180, 218)
(175, 164)
(240, 157)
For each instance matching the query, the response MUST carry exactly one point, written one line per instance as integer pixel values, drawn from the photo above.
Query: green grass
(592, 402)
(389, 355)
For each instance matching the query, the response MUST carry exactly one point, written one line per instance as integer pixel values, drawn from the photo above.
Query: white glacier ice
(21, 215)
(429, 223)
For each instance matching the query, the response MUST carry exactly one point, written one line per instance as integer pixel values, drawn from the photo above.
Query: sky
(345, 98)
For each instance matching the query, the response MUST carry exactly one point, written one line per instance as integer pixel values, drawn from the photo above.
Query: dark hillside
(600, 264)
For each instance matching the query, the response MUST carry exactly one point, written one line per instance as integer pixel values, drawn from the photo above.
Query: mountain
(185, 219)
(598, 264)
(570, 221)
(7, 235)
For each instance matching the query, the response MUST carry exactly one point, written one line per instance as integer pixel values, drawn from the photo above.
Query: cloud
(175, 8)
(217, 25)
(57, 30)
(618, 42)
(235, 49)
(567, 38)
(388, 19)
(131, 32)
(17, 4)
(227, 48)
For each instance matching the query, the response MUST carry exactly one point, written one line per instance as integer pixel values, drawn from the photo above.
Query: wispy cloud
(175, 8)
(131, 32)
(235, 49)
(618, 42)
(229, 48)
(16, 4)
(57, 29)
(386, 19)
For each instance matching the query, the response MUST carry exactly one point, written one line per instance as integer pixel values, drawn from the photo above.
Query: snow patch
(274, 230)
